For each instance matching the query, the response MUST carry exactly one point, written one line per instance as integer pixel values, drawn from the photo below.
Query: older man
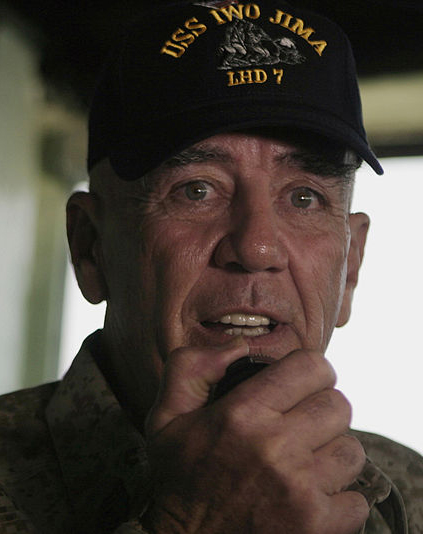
(223, 145)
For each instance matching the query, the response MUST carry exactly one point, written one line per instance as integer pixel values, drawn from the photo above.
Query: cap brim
(140, 152)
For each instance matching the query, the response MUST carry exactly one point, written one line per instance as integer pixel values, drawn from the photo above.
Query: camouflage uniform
(71, 461)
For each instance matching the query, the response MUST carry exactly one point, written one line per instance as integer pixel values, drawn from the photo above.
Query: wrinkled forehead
(311, 152)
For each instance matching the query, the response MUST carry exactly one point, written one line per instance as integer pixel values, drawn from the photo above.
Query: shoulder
(30, 476)
(24, 434)
(27, 399)
(396, 460)
(404, 467)
(16, 408)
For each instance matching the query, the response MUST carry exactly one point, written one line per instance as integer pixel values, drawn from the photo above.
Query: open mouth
(249, 325)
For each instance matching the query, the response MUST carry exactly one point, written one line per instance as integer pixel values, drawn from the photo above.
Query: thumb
(188, 376)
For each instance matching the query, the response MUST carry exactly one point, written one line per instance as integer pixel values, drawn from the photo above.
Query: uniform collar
(101, 453)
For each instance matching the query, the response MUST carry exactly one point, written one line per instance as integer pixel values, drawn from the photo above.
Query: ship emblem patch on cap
(246, 44)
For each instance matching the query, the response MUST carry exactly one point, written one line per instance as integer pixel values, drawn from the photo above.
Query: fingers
(190, 372)
(349, 512)
(282, 429)
(344, 458)
(343, 513)
(285, 383)
(188, 376)
(318, 419)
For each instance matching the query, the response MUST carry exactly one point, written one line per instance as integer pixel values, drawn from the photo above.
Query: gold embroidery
(298, 28)
(172, 49)
(181, 39)
(278, 18)
(197, 28)
(243, 77)
(251, 11)
(319, 46)
(180, 36)
(278, 73)
(284, 19)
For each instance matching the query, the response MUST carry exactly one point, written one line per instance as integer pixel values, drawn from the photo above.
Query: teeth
(240, 319)
(252, 332)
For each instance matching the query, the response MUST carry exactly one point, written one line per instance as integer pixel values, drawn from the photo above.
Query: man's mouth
(235, 324)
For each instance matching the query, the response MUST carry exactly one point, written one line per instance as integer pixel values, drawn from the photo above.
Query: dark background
(75, 35)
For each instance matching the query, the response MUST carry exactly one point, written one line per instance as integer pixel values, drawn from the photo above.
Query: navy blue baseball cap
(189, 70)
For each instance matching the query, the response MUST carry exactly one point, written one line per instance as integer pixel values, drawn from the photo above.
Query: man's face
(234, 236)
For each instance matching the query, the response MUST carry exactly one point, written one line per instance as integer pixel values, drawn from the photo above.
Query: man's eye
(196, 190)
(303, 197)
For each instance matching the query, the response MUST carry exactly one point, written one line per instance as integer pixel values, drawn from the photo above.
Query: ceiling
(74, 36)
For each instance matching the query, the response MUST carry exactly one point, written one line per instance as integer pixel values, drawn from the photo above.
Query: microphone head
(237, 372)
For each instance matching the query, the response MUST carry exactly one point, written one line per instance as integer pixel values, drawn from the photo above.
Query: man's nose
(253, 242)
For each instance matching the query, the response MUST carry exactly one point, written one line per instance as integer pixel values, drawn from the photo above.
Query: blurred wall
(41, 155)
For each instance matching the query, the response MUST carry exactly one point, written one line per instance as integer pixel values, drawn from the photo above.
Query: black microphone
(237, 372)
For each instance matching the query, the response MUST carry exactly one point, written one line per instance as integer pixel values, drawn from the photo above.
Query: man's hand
(269, 456)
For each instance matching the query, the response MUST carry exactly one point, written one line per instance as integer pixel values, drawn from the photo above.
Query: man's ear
(359, 225)
(82, 212)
